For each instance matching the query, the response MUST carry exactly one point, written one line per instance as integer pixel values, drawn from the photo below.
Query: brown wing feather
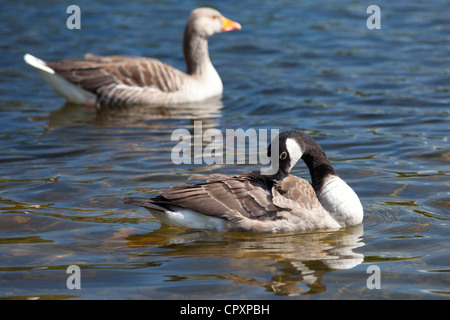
(248, 202)
(301, 191)
(222, 196)
(297, 195)
(101, 74)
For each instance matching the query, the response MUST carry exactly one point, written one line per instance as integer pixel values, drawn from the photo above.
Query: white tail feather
(68, 90)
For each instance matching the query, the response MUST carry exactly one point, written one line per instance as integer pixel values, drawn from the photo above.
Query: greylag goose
(262, 203)
(117, 80)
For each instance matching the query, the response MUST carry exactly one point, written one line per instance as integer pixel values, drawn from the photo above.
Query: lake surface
(376, 100)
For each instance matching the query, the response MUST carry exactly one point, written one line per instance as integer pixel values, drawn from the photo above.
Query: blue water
(376, 100)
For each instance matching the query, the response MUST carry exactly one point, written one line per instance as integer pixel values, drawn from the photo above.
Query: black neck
(318, 164)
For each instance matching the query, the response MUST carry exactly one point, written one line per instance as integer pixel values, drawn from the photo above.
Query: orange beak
(230, 25)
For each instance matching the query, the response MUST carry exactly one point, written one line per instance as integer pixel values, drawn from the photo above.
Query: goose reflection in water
(287, 264)
(208, 111)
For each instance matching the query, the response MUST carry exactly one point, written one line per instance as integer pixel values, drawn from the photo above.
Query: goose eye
(215, 17)
(283, 155)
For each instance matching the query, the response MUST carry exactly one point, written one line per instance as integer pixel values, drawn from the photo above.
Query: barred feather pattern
(123, 80)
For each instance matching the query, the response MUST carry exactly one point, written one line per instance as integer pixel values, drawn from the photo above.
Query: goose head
(206, 22)
(293, 146)
(336, 196)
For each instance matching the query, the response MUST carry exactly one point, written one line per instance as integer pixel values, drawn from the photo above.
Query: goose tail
(70, 91)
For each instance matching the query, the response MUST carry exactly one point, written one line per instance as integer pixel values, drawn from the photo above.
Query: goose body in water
(263, 203)
(121, 80)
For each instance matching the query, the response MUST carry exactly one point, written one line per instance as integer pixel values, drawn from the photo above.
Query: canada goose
(259, 203)
(117, 80)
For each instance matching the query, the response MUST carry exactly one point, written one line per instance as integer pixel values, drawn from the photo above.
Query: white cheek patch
(295, 152)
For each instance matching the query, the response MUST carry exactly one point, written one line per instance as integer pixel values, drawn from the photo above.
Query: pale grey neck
(196, 53)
